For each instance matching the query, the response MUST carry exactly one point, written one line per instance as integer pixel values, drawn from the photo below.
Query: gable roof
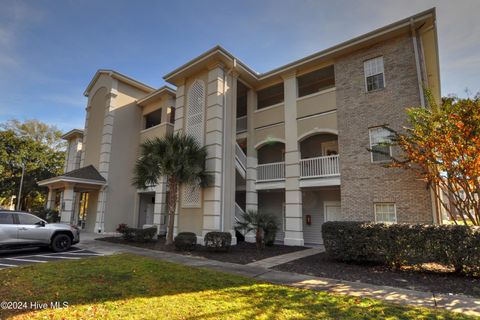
(120, 77)
(88, 173)
(157, 94)
(72, 133)
(84, 175)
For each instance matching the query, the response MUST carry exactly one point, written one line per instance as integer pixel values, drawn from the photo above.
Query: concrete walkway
(284, 258)
(455, 303)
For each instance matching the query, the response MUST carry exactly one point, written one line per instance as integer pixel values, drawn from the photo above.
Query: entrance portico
(79, 190)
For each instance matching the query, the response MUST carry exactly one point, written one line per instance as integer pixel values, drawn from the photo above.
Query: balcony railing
(318, 167)
(241, 124)
(271, 171)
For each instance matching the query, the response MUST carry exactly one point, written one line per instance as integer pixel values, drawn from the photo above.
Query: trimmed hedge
(218, 241)
(402, 244)
(136, 234)
(185, 241)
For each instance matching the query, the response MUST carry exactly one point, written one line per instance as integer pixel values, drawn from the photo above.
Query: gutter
(417, 63)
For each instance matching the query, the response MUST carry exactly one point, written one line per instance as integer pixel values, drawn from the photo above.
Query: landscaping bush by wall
(136, 234)
(218, 241)
(401, 244)
(185, 241)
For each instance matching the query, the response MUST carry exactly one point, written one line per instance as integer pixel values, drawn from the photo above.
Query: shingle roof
(88, 172)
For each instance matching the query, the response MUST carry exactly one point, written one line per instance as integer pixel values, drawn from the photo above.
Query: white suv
(21, 229)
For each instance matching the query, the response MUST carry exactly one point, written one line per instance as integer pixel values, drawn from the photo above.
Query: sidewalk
(455, 303)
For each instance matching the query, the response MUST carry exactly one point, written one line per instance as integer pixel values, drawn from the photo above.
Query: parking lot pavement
(9, 259)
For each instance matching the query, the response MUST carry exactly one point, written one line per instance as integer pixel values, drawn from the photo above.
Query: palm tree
(177, 157)
(260, 223)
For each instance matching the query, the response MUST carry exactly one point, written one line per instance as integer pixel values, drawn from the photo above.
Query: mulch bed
(242, 253)
(427, 277)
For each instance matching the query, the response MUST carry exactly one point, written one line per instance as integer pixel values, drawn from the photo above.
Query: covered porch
(76, 196)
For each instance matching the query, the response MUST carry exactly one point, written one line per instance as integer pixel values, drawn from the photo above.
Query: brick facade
(363, 182)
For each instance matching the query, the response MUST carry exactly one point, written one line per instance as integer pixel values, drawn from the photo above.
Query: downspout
(417, 62)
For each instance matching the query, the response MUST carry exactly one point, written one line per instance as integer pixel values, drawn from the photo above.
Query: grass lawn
(134, 287)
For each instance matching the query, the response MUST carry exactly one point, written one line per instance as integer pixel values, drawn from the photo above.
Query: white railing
(242, 158)
(271, 171)
(320, 167)
(238, 212)
(241, 124)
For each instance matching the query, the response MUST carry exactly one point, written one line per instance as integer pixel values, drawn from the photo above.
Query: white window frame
(374, 74)
(371, 146)
(375, 204)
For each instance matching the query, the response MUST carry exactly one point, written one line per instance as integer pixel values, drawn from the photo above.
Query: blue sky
(49, 50)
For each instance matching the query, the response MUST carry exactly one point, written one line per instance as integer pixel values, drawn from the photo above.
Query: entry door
(149, 213)
(332, 211)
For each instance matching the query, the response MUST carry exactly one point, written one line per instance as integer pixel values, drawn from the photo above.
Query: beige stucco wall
(121, 195)
(269, 116)
(271, 133)
(317, 103)
(93, 140)
(327, 122)
(156, 132)
(91, 211)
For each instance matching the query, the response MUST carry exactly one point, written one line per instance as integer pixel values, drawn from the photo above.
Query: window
(27, 219)
(153, 119)
(385, 213)
(380, 140)
(6, 218)
(374, 78)
(270, 96)
(316, 81)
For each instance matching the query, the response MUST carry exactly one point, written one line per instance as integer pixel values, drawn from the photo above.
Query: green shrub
(218, 241)
(402, 244)
(270, 232)
(137, 234)
(185, 241)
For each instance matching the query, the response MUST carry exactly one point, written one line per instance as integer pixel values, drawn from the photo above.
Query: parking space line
(47, 254)
(26, 260)
(83, 253)
(7, 265)
(56, 257)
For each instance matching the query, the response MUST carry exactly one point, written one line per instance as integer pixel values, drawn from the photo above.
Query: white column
(179, 126)
(251, 176)
(293, 194)
(100, 217)
(66, 214)
(212, 200)
(160, 207)
(52, 194)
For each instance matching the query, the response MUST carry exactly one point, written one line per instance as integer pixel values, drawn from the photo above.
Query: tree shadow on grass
(139, 287)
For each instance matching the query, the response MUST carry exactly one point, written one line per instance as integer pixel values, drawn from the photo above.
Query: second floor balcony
(319, 159)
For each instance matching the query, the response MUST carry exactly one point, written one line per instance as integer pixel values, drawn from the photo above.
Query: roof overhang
(213, 56)
(70, 180)
(219, 54)
(120, 77)
(157, 95)
(72, 133)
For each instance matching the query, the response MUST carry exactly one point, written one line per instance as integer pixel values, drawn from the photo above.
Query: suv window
(6, 218)
(27, 219)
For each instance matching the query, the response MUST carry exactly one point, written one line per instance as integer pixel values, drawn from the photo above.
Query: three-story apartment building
(292, 141)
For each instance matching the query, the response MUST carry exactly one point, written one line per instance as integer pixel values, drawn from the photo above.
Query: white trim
(267, 185)
(270, 107)
(270, 126)
(376, 74)
(265, 141)
(311, 95)
(327, 203)
(68, 179)
(385, 203)
(371, 147)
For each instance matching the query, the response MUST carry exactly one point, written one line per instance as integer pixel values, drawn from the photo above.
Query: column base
(293, 242)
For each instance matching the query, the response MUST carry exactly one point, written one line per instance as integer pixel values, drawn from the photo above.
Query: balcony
(241, 124)
(271, 172)
(320, 167)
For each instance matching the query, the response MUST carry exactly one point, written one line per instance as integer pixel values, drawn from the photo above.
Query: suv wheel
(61, 242)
